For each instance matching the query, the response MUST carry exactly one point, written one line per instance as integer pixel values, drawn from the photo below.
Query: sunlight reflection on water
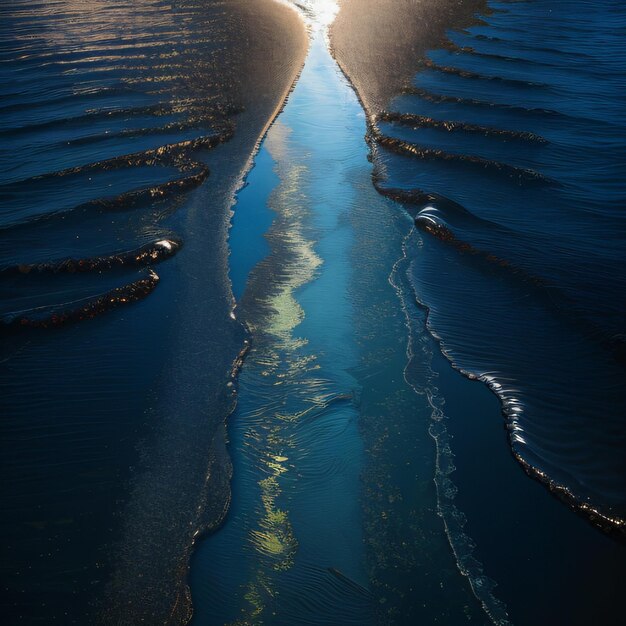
(318, 14)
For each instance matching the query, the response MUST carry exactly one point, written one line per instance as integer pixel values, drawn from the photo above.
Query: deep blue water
(123, 135)
(516, 131)
(372, 478)
(333, 518)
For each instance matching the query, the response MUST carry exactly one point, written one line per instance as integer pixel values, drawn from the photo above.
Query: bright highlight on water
(311, 312)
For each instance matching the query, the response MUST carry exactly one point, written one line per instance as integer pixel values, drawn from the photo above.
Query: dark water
(511, 149)
(334, 517)
(124, 128)
(420, 514)
(372, 480)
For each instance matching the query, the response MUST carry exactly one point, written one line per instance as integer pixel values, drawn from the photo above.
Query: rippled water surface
(124, 128)
(334, 512)
(510, 149)
(365, 476)
(372, 481)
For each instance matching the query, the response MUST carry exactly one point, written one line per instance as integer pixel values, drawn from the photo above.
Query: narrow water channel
(334, 516)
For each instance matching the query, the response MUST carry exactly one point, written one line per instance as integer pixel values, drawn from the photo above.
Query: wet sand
(102, 507)
(271, 45)
(379, 43)
(260, 61)
(548, 563)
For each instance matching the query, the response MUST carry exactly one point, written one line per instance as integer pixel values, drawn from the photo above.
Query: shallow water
(372, 480)
(123, 136)
(513, 137)
(334, 515)
(357, 495)
(294, 438)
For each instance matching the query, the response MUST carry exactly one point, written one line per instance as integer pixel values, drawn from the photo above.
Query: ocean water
(507, 151)
(393, 300)
(509, 148)
(373, 479)
(334, 512)
(124, 128)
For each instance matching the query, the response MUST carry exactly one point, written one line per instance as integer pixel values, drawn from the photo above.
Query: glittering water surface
(509, 148)
(119, 156)
(372, 481)
(334, 516)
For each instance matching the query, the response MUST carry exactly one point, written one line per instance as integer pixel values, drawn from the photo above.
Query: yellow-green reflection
(284, 369)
